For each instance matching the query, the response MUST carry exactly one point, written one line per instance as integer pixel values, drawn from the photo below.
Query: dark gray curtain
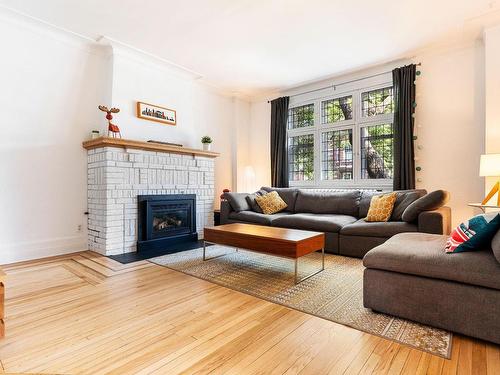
(279, 158)
(404, 105)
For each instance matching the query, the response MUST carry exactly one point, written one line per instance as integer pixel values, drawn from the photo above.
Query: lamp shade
(490, 165)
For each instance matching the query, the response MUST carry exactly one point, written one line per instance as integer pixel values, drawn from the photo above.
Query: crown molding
(41, 27)
(132, 53)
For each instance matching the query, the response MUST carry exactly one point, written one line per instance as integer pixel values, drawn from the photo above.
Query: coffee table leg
(205, 251)
(297, 280)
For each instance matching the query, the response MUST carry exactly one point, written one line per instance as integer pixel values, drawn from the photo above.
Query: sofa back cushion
(289, 195)
(403, 199)
(429, 202)
(238, 201)
(364, 203)
(328, 202)
(251, 200)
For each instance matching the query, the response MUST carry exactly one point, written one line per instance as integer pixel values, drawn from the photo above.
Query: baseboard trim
(29, 250)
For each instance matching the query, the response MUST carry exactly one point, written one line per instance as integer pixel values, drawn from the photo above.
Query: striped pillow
(474, 234)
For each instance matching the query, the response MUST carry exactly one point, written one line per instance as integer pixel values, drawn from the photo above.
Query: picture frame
(151, 112)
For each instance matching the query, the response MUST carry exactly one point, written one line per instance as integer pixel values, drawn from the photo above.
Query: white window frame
(356, 123)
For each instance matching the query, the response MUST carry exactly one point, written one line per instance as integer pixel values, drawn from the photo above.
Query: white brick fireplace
(120, 170)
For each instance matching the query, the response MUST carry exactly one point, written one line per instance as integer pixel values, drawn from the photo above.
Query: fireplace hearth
(165, 220)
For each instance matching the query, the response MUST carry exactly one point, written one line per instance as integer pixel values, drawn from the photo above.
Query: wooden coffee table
(282, 242)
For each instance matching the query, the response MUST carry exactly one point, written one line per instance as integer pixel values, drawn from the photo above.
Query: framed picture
(156, 113)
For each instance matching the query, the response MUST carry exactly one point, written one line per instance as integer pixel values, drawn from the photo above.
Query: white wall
(492, 99)
(52, 83)
(200, 110)
(451, 114)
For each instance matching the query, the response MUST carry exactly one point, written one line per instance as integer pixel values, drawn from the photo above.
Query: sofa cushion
(289, 195)
(403, 200)
(255, 217)
(251, 200)
(314, 222)
(422, 254)
(328, 202)
(364, 202)
(377, 229)
(495, 246)
(429, 202)
(237, 201)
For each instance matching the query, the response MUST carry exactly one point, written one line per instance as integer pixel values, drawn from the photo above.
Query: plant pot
(207, 146)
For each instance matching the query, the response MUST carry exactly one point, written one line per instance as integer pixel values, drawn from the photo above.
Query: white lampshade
(490, 165)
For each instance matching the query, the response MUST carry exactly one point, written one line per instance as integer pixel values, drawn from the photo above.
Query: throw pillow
(381, 207)
(289, 195)
(271, 203)
(429, 202)
(237, 201)
(251, 200)
(403, 200)
(474, 234)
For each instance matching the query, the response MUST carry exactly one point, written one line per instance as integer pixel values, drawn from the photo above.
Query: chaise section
(410, 276)
(422, 254)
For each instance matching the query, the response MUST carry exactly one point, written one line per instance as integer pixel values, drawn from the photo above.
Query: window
(336, 110)
(301, 157)
(301, 117)
(336, 158)
(377, 102)
(343, 140)
(376, 151)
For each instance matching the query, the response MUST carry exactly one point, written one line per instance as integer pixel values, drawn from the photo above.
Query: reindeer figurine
(114, 129)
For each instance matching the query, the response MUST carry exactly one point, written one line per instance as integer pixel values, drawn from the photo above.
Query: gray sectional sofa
(411, 276)
(339, 214)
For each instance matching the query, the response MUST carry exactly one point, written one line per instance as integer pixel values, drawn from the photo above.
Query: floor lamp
(490, 167)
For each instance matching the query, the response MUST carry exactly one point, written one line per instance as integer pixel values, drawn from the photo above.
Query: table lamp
(490, 167)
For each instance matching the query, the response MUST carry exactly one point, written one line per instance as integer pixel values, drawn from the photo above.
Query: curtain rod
(342, 83)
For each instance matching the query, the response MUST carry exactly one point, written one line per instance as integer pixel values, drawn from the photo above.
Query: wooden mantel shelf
(147, 146)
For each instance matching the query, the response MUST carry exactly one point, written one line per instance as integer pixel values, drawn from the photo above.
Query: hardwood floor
(87, 314)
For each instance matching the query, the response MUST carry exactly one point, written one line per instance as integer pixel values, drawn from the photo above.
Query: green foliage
(338, 109)
(378, 102)
(302, 157)
(381, 140)
(300, 117)
(206, 139)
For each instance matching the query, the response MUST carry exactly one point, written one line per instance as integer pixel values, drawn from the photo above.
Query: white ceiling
(255, 46)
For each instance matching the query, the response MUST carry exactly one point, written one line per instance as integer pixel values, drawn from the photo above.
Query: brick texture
(117, 176)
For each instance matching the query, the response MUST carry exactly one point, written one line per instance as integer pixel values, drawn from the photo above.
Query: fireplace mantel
(120, 170)
(146, 146)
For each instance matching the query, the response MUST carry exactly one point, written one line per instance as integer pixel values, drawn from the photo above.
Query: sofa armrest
(225, 210)
(435, 222)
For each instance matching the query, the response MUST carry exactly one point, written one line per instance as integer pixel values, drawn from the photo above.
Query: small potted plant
(207, 142)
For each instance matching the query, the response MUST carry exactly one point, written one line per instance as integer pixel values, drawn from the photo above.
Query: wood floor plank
(83, 313)
(492, 359)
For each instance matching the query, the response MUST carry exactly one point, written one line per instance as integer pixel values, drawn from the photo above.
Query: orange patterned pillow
(381, 207)
(271, 203)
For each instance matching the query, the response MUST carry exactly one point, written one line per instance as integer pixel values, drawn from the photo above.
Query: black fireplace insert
(165, 220)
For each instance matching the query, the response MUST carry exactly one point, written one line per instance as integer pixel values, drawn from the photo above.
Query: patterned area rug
(335, 294)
